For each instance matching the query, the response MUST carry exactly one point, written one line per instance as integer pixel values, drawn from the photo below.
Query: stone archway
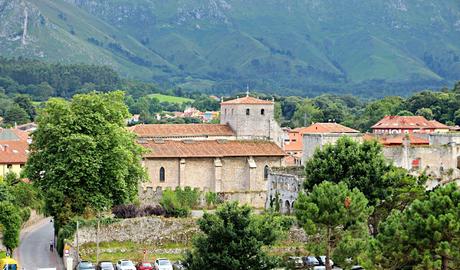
(287, 207)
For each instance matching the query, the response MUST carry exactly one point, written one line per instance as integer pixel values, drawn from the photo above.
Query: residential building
(14, 150)
(408, 124)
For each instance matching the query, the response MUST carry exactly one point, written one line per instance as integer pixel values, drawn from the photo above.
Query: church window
(162, 174)
(247, 112)
(232, 111)
(266, 171)
(262, 111)
(225, 111)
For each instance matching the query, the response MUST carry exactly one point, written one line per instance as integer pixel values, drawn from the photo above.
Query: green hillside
(171, 99)
(365, 47)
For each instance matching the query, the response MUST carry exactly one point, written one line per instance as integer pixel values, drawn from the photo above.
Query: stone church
(232, 158)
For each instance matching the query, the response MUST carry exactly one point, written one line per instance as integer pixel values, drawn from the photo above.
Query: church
(232, 158)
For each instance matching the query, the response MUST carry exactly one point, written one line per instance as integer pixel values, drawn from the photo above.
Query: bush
(212, 199)
(188, 197)
(172, 205)
(25, 214)
(151, 210)
(132, 211)
(125, 211)
(26, 195)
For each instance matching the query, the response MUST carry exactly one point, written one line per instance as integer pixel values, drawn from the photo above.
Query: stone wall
(284, 185)
(237, 178)
(313, 141)
(149, 230)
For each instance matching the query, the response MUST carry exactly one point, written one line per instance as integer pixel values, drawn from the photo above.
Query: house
(14, 150)
(296, 144)
(408, 124)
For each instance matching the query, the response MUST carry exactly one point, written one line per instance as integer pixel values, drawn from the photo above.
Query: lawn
(171, 99)
(114, 251)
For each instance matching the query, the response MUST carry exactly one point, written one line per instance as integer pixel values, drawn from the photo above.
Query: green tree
(25, 102)
(405, 113)
(81, 152)
(332, 212)
(425, 112)
(363, 166)
(15, 115)
(232, 238)
(306, 113)
(11, 221)
(425, 235)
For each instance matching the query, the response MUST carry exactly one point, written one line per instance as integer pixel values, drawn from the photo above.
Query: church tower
(251, 118)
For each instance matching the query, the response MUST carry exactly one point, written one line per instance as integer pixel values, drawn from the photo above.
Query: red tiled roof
(328, 128)
(212, 148)
(13, 152)
(389, 140)
(408, 122)
(179, 130)
(247, 100)
(293, 146)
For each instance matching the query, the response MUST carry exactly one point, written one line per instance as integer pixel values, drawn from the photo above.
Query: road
(34, 250)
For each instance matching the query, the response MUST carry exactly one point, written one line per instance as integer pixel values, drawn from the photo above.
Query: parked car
(144, 266)
(125, 265)
(178, 266)
(163, 264)
(295, 262)
(85, 265)
(310, 261)
(105, 266)
(322, 260)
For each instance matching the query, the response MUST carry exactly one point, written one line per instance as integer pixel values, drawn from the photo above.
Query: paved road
(34, 250)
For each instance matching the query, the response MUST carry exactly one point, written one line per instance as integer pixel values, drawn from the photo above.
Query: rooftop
(395, 140)
(327, 128)
(13, 151)
(247, 100)
(182, 130)
(408, 122)
(211, 148)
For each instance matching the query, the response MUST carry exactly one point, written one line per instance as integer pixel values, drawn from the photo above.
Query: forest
(25, 84)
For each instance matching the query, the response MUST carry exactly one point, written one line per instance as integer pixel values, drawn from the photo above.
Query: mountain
(305, 47)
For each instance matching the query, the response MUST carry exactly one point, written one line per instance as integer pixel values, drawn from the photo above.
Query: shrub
(188, 197)
(172, 205)
(151, 210)
(212, 199)
(125, 211)
(24, 213)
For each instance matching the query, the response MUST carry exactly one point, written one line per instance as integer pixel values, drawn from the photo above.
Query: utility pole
(78, 243)
(97, 236)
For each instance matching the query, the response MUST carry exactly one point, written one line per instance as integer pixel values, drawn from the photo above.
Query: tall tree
(15, 115)
(363, 166)
(25, 102)
(83, 156)
(232, 238)
(332, 212)
(425, 235)
(11, 222)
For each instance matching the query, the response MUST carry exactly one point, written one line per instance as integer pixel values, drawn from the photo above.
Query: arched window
(262, 111)
(247, 112)
(162, 174)
(266, 171)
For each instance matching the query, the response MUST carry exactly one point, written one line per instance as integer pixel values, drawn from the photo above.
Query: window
(225, 111)
(262, 111)
(247, 112)
(9, 166)
(232, 111)
(266, 171)
(162, 174)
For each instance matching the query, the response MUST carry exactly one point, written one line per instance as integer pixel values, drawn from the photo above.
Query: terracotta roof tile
(327, 128)
(13, 152)
(293, 146)
(408, 122)
(247, 100)
(182, 130)
(393, 140)
(211, 148)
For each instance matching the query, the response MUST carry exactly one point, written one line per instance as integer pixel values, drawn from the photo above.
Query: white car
(163, 264)
(125, 265)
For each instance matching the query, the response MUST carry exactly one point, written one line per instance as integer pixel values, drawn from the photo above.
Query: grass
(114, 251)
(170, 99)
